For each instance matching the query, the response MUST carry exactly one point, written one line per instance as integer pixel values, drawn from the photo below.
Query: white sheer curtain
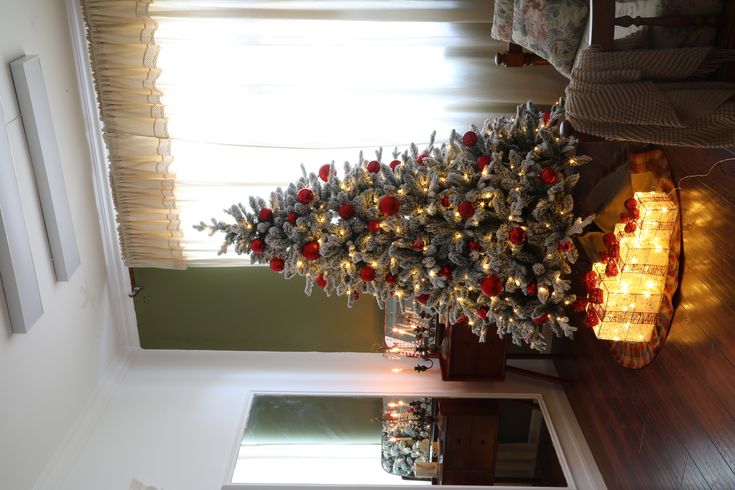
(253, 89)
(315, 464)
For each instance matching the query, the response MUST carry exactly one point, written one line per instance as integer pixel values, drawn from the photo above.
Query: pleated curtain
(208, 102)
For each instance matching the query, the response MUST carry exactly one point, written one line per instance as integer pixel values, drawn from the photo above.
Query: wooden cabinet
(467, 431)
(463, 358)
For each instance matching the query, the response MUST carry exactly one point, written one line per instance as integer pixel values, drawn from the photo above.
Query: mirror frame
(229, 485)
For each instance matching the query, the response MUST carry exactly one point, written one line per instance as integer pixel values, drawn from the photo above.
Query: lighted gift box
(644, 263)
(626, 313)
(657, 215)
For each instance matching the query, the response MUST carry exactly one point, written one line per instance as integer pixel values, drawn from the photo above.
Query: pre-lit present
(657, 215)
(626, 314)
(644, 262)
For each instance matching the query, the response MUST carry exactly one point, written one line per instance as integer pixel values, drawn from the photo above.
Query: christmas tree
(478, 229)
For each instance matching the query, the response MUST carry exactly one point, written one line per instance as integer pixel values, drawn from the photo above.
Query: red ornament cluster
(394, 164)
(595, 295)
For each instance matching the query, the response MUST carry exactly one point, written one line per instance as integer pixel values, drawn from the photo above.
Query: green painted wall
(249, 308)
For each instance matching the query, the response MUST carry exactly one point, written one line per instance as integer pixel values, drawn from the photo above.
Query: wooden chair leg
(669, 21)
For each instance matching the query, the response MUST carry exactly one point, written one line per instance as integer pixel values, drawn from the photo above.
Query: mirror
(317, 439)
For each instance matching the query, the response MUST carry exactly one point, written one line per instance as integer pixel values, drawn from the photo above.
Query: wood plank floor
(672, 424)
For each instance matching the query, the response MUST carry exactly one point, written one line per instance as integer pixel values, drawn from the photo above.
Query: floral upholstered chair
(554, 31)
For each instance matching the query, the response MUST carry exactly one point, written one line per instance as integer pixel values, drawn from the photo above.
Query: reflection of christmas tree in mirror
(407, 431)
(480, 228)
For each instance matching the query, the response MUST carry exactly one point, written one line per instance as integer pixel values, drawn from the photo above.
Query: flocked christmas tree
(479, 229)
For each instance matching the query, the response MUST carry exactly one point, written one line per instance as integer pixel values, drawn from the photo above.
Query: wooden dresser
(467, 432)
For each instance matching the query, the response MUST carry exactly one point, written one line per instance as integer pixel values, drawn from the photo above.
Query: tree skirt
(644, 171)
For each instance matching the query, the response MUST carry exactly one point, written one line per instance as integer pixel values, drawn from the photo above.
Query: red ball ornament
(546, 117)
(394, 164)
(491, 285)
(466, 209)
(635, 213)
(324, 172)
(389, 205)
(445, 201)
(277, 264)
(613, 251)
(596, 295)
(483, 162)
(565, 246)
(292, 217)
(517, 236)
(548, 176)
(591, 319)
(367, 273)
(532, 288)
(446, 271)
(422, 298)
(461, 320)
(473, 245)
(257, 246)
(542, 319)
(265, 214)
(482, 312)
(311, 251)
(631, 204)
(418, 245)
(373, 166)
(579, 305)
(420, 159)
(346, 210)
(373, 226)
(469, 138)
(630, 227)
(624, 217)
(320, 281)
(305, 196)
(390, 278)
(608, 239)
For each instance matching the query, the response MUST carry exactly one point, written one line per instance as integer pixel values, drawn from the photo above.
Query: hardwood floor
(672, 423)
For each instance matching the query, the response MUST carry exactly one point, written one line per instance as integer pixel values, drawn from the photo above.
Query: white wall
(174, 420)
(49, 376)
